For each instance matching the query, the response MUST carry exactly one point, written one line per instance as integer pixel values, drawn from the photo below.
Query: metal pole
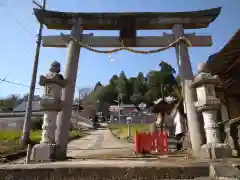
(79, 94)
(27, 119)
(119, 113)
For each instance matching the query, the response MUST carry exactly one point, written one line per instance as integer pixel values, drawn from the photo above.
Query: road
(16, 123)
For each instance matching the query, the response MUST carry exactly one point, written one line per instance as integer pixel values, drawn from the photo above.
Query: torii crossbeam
(113, 41)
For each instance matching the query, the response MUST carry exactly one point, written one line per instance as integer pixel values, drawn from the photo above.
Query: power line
(1, 81)
(19, 23)
(19, 84)
(4, 80)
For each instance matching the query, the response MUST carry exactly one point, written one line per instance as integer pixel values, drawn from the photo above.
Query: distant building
(125, 109)
(6, 105)
(163, 105)
(22, 107)
(37, 108)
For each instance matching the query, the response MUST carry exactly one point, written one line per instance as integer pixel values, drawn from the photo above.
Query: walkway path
(98, 144)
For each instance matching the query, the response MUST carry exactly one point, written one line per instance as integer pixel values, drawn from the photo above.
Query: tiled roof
(23, 105)
(227, 56)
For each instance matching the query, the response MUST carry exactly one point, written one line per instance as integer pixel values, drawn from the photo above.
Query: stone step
(98, 170)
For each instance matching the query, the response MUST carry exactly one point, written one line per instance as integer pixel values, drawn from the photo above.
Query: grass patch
(10, 140)
(121, 130)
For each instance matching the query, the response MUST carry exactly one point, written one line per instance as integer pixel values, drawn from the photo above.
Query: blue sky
(18, 45)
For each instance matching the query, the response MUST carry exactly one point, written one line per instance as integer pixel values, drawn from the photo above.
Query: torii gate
(128, 24)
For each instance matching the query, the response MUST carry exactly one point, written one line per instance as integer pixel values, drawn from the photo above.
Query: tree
(98, 86)
(122, 87)
(113, 80)
(165, 67)
(140, 84)
(130, 85)
(107, 94)
(141, 77)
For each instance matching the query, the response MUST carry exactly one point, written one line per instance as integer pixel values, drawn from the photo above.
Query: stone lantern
(51, 104)
(209, 105)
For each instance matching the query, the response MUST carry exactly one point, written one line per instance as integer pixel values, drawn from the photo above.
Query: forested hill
(134, 90)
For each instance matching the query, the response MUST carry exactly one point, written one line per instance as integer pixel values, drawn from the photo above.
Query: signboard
(129, 119)
(48, 90)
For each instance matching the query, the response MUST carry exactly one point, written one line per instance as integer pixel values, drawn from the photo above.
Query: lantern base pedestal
(43, 152)
(215, 151)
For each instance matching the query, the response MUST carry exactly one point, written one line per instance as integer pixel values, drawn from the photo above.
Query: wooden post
(189, 94)
(64, 117)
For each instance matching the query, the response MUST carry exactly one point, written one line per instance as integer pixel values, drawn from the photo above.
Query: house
(37, 108)
(22, 107)
(125, 109)
(163, 105)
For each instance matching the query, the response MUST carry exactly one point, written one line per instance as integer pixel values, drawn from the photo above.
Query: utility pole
(27, 119)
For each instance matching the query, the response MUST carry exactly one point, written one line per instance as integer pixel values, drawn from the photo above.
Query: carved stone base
(51, 104)
(43, 152)
(214, 151)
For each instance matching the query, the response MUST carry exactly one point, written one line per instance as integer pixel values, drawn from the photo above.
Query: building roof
(168, 99)
(163, 105)
(115, 21)
(226, 64)
(36, 107)
(22, 107)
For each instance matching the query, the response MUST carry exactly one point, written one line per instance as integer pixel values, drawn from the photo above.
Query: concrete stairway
(106, 169)
(173, 167)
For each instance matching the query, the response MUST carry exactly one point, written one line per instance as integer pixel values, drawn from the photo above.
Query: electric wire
(18, 84)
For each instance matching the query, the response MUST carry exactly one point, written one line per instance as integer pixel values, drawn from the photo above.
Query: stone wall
(15, 123)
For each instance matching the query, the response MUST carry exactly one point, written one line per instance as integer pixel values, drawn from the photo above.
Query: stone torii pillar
(189, 94)
(70, 73)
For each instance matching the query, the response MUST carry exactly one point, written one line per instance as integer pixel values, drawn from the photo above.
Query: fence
(145, 119)
(146, 142)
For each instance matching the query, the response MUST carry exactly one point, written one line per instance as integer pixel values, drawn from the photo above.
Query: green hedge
(121, 130)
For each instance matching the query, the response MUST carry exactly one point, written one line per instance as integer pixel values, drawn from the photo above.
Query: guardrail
(38, 114)
(20, 114)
